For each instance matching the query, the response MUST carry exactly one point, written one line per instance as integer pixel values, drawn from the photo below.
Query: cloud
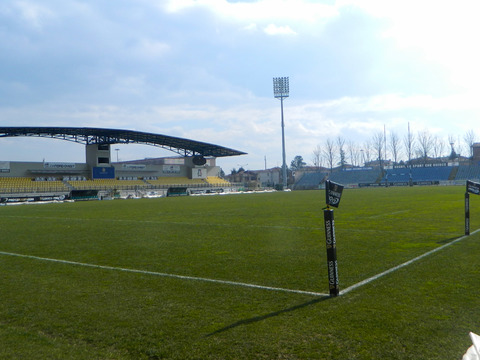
(33, 14)
(203, 69)
(250, 27)
(272, 29)
(442, 33)
(262, 11)
(130, 85)
(151, 49)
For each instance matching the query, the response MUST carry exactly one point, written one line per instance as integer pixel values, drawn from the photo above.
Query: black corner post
(331, 252)
(467, 213)
(333, 193)
(474, 188)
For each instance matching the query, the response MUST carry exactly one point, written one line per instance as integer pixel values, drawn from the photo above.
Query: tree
(341, 151)
(354, 153)
(378, 144)
(469, 139)
(297, 163)
(409, 143)
(394, 146)
(329, 153)
(438, 146)
(317, 156)
(401, 148)
(367, 152)
(425, 144)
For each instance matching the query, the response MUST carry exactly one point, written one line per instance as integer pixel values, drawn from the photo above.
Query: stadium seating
(217, 181)
(107, 184)
(29, 185)
(468, 172)
(356, 176)
(436, 173)
(175, 181)
(310, 181)
(401, 175)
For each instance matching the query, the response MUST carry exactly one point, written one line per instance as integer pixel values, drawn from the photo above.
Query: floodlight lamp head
(280, 87)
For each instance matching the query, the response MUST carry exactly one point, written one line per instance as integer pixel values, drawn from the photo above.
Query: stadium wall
(42, 169)
(59, 170)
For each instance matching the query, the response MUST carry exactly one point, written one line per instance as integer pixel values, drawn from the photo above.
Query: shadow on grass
(446, 241)
(267, 316)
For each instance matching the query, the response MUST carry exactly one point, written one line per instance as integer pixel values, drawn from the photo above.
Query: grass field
(134, 306)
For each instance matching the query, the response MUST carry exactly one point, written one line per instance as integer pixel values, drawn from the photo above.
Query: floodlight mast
(281, 91)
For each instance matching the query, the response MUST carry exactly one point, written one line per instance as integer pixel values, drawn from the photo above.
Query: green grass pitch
(55, 310)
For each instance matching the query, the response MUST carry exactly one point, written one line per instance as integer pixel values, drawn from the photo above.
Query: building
(476, 153)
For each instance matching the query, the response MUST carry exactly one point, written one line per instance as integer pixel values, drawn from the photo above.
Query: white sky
(203, 70)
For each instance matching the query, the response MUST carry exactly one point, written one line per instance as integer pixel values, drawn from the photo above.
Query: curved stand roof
(89, 136)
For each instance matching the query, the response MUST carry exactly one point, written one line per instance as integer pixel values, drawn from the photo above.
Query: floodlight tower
(281, 91)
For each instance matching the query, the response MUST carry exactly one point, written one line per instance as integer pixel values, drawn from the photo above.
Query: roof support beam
(90, 136)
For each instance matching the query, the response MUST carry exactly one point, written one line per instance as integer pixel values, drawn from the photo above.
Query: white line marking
(234, 283)
(175, 276)
(373, 278)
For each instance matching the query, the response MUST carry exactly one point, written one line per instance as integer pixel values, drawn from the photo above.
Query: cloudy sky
(203, 69)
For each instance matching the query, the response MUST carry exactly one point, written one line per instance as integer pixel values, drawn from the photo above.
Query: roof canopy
(89, 136)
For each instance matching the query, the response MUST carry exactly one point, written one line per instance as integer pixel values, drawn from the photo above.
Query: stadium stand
(217, 181)
(193, 166)
(31, 185)
(106, 184)
(401, 175)
(397, 175)
(355, 177)
(429, 174)
(310, 181)
(19, 185)
(166, 182)
(468, 172)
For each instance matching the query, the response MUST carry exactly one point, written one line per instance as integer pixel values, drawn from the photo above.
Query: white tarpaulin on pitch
(473, 352)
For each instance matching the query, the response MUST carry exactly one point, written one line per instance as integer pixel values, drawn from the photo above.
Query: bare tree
(438, 146)
(422, 144)
(378, 143)
(409, 143)
(394, 146)
(341, 151)
(329, 153)
(425, 144)
(469, 139)
(317, 156)
(367, 152)
(354, 153)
